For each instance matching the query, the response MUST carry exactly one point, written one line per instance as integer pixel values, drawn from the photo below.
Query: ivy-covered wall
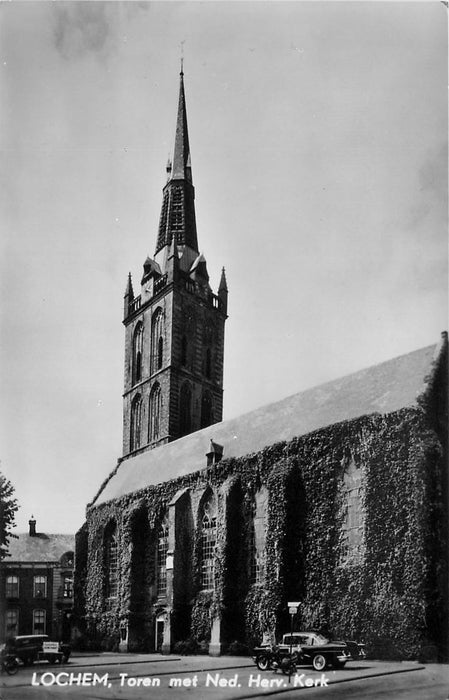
(387, 589)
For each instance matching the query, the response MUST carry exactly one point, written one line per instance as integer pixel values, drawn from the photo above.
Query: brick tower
(174, 330)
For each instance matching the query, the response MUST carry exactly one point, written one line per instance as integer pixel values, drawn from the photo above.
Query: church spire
(181, 169)
(177, 220)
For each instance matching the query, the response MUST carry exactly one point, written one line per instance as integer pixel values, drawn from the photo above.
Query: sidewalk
(111, 658)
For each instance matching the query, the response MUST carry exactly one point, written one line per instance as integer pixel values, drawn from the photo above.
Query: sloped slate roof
(41, 547)
(384, 388)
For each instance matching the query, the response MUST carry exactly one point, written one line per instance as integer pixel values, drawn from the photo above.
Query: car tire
(262, 662)
(319, 662)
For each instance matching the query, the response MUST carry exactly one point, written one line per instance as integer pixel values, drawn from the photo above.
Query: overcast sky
(318, 135)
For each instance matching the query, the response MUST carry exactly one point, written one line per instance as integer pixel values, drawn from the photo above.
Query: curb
(340, 680)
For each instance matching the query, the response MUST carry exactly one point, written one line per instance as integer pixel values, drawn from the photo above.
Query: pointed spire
(223, 284)
(129, 296)
(178, 204)
(181, 157)
(223, 292)
(129, 292)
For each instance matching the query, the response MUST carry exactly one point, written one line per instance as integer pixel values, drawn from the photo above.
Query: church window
(208, 543)
(157, 340)
(162, 549)
(258, 536)
(206, 410)
(136, 420)
(155, 413)
(208, 363)
(351, 535)
(185, 412)
(39, 621)
(12, 623)
(40, 586)
(110, 562)
(137, 354)
(184, 351)
(12, 586)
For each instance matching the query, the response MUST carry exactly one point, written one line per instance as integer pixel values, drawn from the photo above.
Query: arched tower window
(162, 549)
(208, 363)
(258, 537)
(110, 561)
(208, 543)
(206, 410)
(157, 340)
(184, 351)
(137, 354)
(155, 413)
(185, 410)
(136, 423)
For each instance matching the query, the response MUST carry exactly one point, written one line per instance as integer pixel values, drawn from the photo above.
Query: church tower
(174, 329)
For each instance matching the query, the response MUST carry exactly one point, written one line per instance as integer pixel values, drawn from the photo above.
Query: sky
(318, 136)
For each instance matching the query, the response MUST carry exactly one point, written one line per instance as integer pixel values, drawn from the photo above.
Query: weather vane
(182, 55)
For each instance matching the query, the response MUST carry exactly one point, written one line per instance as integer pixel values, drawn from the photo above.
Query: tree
(8, 508)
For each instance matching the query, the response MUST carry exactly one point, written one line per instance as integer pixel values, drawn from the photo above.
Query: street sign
(292, 610)
(293, 604)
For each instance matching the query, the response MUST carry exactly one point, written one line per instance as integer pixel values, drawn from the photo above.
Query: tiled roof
(384, 388)
(40, 548)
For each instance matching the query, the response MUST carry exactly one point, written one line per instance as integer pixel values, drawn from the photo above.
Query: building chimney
(32, 524)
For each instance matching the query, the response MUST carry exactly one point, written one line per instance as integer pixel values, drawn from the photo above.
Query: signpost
(292, 609)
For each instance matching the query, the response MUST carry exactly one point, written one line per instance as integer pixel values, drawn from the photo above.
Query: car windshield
(319, 639)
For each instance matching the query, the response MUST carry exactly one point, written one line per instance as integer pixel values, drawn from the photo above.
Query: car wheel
(11, 666)
(262, 662)
(319, 662)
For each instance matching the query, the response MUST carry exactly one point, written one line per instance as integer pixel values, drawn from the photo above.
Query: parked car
(30, 648)
(313, 648)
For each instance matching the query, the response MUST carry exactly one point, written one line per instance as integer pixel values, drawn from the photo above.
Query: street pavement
(139, 676)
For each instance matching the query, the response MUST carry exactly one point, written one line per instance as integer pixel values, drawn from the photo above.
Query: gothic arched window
(110, 561)
(185, 410)
(208, 363)
(258, 537)
(154, 425)
(184, 351)
(157, 340)
(137, 354)
(208, 542)
(162, 549)
(136, 423)
(206, 410)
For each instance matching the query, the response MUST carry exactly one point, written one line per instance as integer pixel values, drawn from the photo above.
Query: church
(335, 497)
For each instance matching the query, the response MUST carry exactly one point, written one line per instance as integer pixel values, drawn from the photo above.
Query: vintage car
(37, 647)
(313, 648)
